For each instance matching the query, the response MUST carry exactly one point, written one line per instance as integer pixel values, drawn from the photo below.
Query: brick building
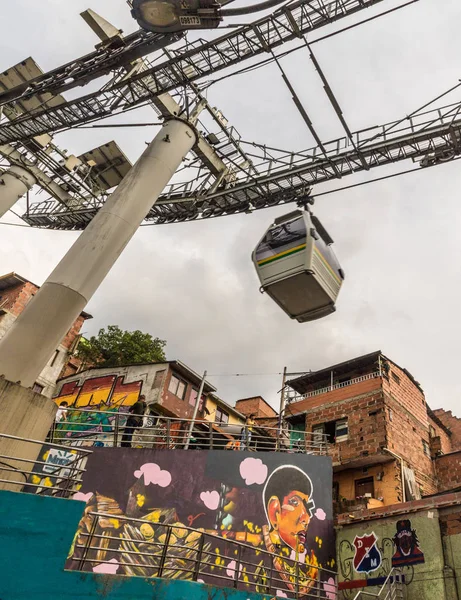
(15, 293)
(385, 441)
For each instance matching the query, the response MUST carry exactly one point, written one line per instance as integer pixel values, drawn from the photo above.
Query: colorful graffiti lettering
(273, 514)
(108, 390)
(108, 394)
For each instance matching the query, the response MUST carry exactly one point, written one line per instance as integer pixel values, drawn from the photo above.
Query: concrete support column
(14, 183)
(37, 332)
(26, 414)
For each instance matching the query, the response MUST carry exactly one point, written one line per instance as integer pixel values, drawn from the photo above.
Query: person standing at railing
(247, 430)
(134, 421)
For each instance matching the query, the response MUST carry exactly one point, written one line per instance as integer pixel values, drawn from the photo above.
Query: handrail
(148, 548)
(330, 388)
(394, 577)
(40, 475)
(112, 428)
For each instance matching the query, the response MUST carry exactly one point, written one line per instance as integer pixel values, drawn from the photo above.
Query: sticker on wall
(367, 556)
(407, 547)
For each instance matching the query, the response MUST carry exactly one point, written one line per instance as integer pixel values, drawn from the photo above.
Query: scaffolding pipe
(34, 336)
(14, 183)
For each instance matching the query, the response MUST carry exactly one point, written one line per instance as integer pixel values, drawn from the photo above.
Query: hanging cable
(247, 10)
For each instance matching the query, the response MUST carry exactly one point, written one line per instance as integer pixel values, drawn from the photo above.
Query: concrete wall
(221, 493)
(424, 581)
(422, 538)
(35, 537)
(25, 414)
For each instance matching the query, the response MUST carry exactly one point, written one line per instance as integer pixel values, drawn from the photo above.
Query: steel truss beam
(191, 62)
(430, 137)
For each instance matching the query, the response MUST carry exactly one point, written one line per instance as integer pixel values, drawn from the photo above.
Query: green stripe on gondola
(266, 261)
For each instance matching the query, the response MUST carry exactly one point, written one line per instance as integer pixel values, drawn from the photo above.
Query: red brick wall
(73, 332)
(366, 422)
(405, 435)
(440, 440)
(448, 469)
(406, 393)
(450, 523)
(339, 395)
(18, 297)
(256, 405)
(453, 423)
(408, 426)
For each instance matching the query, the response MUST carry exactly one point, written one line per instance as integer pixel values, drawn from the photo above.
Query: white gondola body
(297, 267)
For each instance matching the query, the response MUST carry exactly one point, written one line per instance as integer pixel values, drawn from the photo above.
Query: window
(341, 431)
(221, 416)
(364, 488)
(426, 448)
(193, 399)
(390, 414)
(336, 431)
(193, 396)
(38, 388)
(177, 387)
(395, 377)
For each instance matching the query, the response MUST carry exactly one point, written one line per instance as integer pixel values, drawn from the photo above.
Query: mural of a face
(289, 506)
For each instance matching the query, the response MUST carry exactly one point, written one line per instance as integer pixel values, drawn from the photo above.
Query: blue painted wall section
(35, 536)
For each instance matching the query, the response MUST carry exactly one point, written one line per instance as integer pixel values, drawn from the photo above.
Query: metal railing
(324, 390)
(392, 589)
(141, 547)
(113, 428)
(60, 474)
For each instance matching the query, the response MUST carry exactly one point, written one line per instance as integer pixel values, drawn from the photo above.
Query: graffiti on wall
(402, 550)
(108, 394)
(260, 500)
(367, 557)
(407, 550)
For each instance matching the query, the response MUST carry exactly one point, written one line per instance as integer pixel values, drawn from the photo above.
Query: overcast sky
(194, 284)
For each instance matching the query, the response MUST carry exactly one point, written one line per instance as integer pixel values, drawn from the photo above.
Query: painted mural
(407, 550)
(270, 502)
(52, 466)
(108, 394)
(373, 557)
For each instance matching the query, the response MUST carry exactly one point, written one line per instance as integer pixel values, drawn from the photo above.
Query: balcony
(333, 393)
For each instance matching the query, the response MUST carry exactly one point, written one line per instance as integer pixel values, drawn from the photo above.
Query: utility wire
(267, 61)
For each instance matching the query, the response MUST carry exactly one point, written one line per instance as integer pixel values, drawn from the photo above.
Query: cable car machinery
(231, 175)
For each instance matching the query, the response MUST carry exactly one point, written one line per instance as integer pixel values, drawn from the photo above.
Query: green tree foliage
(113, 347)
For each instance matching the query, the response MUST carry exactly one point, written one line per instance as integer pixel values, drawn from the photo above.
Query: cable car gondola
(297, 267)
